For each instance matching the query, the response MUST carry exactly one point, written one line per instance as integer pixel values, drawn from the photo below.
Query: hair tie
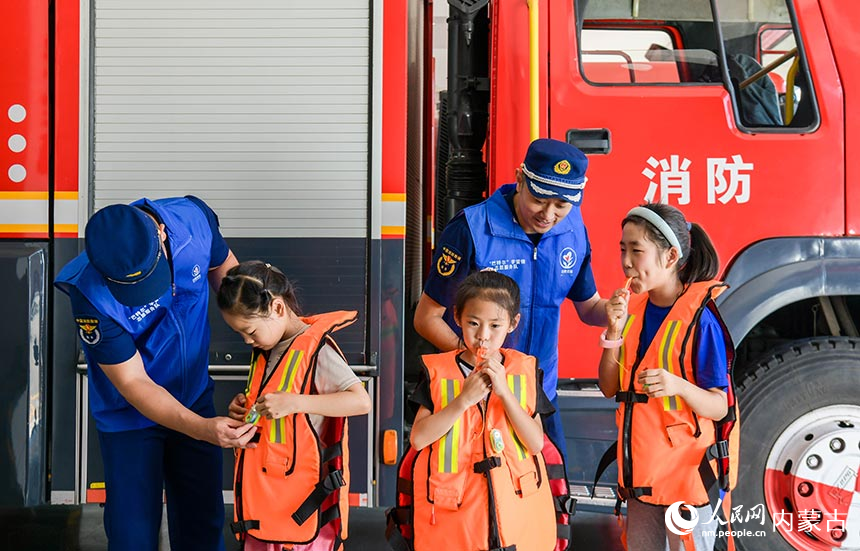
(661, 225)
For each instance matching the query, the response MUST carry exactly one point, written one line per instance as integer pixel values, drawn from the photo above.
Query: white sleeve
(333, 373)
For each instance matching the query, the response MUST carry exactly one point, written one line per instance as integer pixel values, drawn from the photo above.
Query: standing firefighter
(533, 232)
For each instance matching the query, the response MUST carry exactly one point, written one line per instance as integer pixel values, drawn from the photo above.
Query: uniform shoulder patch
(88, 330)
(449, 259)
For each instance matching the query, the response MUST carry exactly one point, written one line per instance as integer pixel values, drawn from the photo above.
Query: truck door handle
(594, 141)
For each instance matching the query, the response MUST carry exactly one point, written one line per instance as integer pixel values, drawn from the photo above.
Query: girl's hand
(616, 313)
(475, 387)
(495, 373)
(279, 404)
(659, 382)
(237, 409)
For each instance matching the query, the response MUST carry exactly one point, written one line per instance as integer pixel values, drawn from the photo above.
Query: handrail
(534, 70)
(770, 67)
(789, 91)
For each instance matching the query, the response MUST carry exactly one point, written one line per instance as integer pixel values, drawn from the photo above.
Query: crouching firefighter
(668, 362)
(292, 488)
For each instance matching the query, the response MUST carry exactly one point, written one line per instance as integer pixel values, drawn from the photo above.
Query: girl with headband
(666, 356)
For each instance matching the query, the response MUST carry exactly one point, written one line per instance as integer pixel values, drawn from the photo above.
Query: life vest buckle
(323, 489)
(334, 481)
(719, 450)
(487, 464)
(566, 504)
(244, 526)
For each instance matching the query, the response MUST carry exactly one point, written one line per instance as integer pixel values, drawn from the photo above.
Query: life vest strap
(556, 471)
(564, 531)
(330, 514)
(720, 452)
(400, 515)
(709, 481)
(334, 481)
(395, 518)
(396, 540)
(637, 492)
(244, 526)
(630, 397)
(404, 486)
(329, 453)
(487, 465)
(508, 548)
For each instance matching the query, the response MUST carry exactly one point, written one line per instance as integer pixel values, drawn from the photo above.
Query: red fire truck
(313, 131)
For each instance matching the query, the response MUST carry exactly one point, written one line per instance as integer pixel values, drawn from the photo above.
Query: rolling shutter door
(258, 107)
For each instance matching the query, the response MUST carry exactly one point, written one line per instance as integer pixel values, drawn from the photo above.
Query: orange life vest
(666, 453)
(478, 487)
(295, 481)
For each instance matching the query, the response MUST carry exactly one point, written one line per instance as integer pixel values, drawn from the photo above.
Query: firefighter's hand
(616, 312)
(475, 387)
(659, 382)
(229, 433)
(279, 404)
(237, 409)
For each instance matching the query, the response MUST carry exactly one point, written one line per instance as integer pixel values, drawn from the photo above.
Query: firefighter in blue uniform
(533, 232)
(139, 296)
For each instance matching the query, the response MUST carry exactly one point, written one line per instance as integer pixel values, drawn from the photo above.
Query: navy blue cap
(124, 245)
(555, 170)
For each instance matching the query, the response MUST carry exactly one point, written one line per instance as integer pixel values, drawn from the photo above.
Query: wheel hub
(811, 484)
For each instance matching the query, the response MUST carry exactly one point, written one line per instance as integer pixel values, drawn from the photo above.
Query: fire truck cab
(741, 114)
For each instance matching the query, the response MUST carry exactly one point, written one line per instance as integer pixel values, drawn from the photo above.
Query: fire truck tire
(784, 402)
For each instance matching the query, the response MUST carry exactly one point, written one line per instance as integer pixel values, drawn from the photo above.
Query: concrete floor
(80, 528)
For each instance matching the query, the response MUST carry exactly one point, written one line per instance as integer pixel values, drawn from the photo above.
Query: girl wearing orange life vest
(480, 480)
(291, 487)
(665, 361)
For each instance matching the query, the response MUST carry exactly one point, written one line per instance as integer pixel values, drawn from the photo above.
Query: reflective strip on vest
(623, 351)
(449, 444)
(517, 384)
(278, 430)
(260, 363)
(664, 359)
(289, 375)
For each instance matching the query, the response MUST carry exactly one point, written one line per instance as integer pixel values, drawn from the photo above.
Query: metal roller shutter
(258, 107)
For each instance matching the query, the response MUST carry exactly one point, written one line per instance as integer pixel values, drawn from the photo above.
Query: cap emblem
(562, 167)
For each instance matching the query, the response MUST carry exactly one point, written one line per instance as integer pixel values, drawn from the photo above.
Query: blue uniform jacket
(545, 273)
(171, 333)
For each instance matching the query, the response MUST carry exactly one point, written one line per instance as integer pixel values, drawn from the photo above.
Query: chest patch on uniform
(448, 261)
(195, 273)
(567, 258)
(88, 330)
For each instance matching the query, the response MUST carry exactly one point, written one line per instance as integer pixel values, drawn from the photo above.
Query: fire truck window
(628, 56)
(768, 74)
(647, 42)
